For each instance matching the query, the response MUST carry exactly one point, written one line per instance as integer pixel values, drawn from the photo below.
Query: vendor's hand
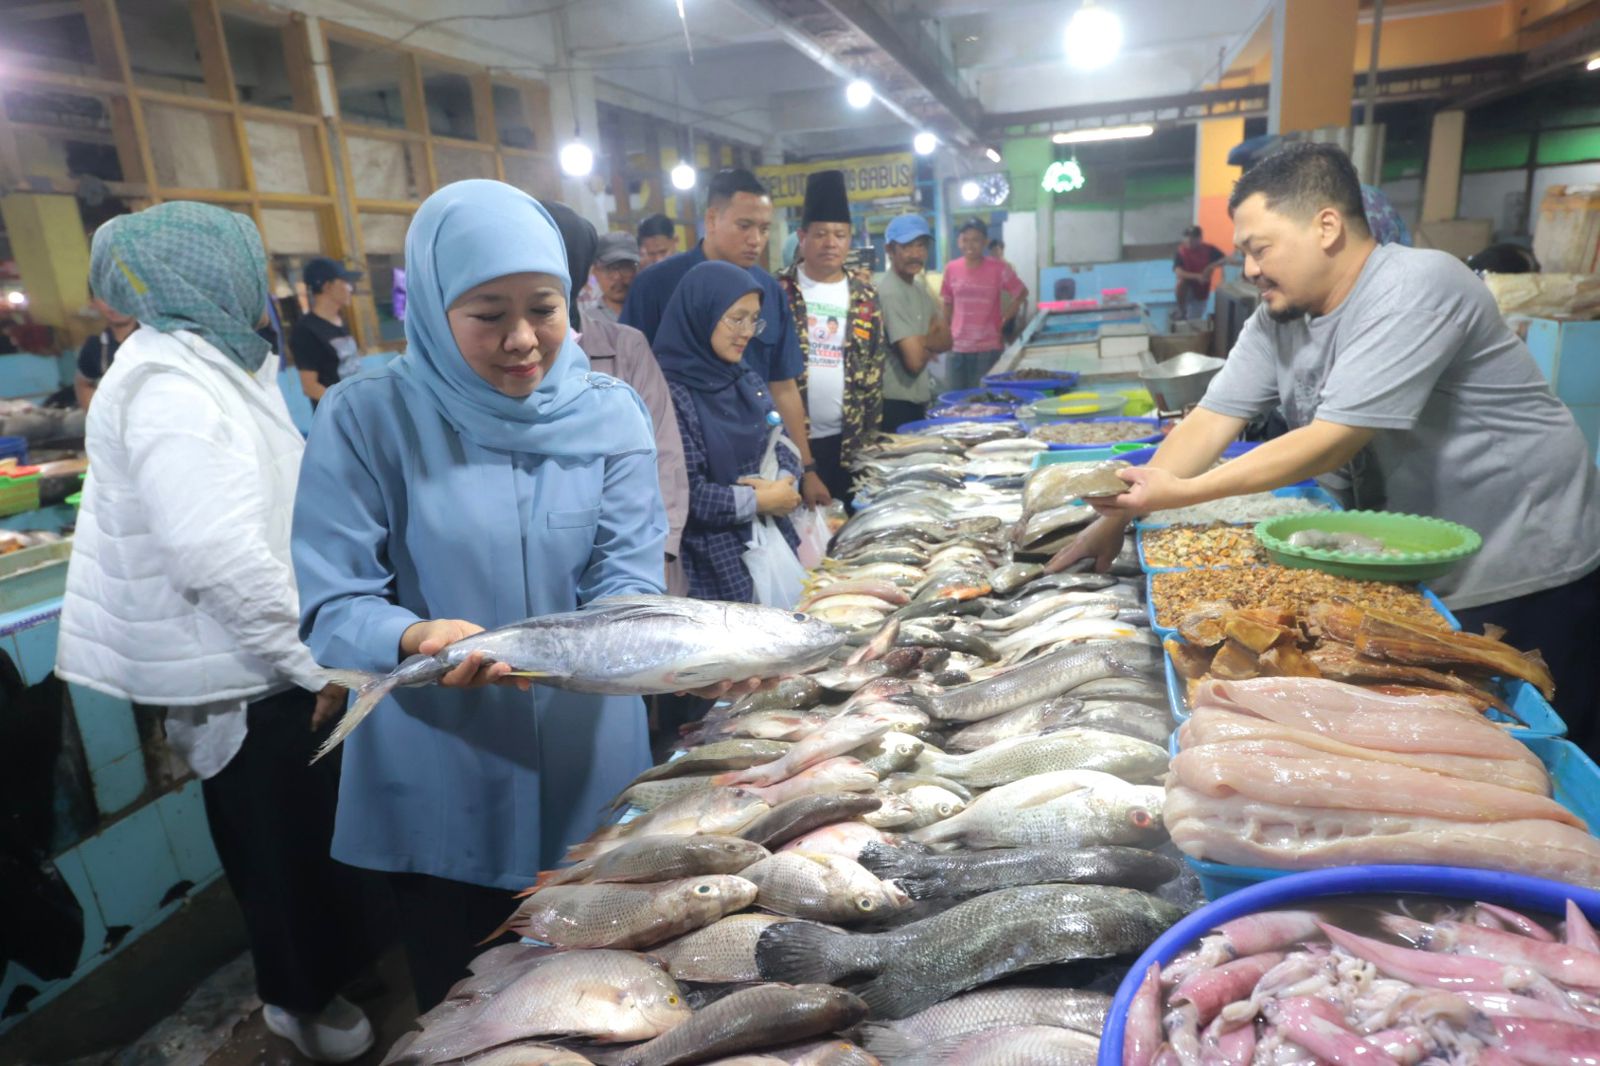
(330, 704)
(1149, 489)
(430, 638)
(723, 689)
(1100, 541)
(813, 490)
(776, 498)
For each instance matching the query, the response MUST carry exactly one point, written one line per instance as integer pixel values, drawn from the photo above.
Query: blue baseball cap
(904, 229)
(318, 272)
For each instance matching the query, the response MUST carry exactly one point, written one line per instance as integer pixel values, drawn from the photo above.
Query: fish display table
(946, 842)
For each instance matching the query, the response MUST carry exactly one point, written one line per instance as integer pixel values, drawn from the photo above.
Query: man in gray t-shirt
(1394, 363)
(914, 321)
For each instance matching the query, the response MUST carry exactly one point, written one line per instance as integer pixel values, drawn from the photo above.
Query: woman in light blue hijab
(485, 477)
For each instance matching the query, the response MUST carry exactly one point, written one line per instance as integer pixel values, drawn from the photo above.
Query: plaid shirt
(866, 347)
(714, 540)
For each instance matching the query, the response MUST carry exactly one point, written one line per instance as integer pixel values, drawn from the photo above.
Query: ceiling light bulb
(683, 177)
(1594, 64)
(1094, 37)
(16, 298)
(969, 191)
(994, 156)
(924, 143)
(577, 159)
(858, 94)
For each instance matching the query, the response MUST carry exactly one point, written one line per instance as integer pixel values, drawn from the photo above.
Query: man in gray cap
(914, 320)
(841, 336)
(616, 264)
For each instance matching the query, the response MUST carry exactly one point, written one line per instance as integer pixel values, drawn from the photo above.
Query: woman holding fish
(484, 477)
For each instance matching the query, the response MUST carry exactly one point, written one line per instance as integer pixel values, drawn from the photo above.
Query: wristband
(809, 468)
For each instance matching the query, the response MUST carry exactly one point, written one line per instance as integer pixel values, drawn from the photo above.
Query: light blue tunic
(398, 519)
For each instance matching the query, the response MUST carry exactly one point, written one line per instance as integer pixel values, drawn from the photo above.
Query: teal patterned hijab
(187, 266)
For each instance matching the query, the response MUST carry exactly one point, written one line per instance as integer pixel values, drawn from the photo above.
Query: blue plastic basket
(924, 423)
(1490, 886)
(1575, 784)
(14, 448)
(1063, 381)
(1154, 437)
(1014, 394)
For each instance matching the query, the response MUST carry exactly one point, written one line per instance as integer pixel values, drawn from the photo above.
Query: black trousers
(441, 925)
(1562, 623)
(313, 922)
(826, 453)
(897, 413)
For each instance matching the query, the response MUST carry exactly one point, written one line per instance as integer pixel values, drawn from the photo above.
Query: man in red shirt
(979, 292)
(1194, 266)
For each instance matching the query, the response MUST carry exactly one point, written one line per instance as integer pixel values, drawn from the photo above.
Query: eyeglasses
(745, 325)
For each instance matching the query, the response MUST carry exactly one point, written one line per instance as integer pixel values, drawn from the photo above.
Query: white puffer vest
(127, 626)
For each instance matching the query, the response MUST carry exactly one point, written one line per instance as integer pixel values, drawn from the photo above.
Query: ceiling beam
(868, 22)
(1411, 83)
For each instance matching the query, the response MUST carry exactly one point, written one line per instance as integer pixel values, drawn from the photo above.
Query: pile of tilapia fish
(913, 854)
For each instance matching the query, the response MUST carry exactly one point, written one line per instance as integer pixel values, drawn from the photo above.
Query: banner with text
(867, 177)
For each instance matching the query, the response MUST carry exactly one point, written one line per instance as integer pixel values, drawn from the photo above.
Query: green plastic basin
(1426, 547)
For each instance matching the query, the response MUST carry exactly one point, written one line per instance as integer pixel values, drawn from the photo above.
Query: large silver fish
(625, 645)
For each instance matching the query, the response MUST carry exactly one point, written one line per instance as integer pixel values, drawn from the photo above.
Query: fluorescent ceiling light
(577, 159)
(1594, 64)
(994, 156)
(1094, 37)
(683, 177)
(858, 94)
(1108, 133)
(924, 143)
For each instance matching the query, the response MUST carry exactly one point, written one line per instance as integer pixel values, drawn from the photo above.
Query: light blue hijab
(475, 231)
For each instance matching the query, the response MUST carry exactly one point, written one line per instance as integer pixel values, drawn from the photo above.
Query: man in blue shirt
(737, 221)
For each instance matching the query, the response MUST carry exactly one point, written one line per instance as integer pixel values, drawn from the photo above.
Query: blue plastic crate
(14, 448)
(1575, 784)
(1154, 437)
(1063, 381)
(1078, 455)
(1014, 394)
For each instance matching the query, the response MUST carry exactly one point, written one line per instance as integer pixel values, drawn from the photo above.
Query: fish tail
(512, 924)
(804, 953)
(890, 863)
(370, 690)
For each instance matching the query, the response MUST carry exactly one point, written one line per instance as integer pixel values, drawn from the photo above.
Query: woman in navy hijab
(485, 477)
(726, 417)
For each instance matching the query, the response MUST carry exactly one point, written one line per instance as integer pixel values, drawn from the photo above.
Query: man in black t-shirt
(94, 357)
(323, 350)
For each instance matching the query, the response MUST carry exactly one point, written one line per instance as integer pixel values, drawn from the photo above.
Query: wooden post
(127, 114)
(1441, 185)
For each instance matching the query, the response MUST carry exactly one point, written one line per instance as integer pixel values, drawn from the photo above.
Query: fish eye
(702, 890)
(800, 616)
(945, 810)
(1141, 818)
(865, 903)
(672, 1001)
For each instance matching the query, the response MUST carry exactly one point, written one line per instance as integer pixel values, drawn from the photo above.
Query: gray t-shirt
(1468, 429)
(907, 308)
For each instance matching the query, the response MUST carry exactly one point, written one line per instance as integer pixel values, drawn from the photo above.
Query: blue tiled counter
(1568, 354)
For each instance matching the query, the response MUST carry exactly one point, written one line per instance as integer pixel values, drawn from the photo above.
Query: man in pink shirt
(979, 292)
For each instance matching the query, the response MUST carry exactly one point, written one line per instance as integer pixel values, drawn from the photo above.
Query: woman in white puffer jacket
(180, 593)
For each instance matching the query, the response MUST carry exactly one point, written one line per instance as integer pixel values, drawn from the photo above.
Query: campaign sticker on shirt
(825, 326)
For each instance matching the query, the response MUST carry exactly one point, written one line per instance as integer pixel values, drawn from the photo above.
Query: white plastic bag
(778, 576)
(811, 523)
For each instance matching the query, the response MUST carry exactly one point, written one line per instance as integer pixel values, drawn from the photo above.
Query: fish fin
(534, 674)
(887, 1043)
(807, 953)
(370, 690)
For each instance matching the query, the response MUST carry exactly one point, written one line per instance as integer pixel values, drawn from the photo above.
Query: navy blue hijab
(734, 405)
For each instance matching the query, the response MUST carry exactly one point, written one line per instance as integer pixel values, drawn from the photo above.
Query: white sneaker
(340, 1033)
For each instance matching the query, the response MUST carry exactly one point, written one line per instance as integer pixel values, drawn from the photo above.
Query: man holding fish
(1393, 362)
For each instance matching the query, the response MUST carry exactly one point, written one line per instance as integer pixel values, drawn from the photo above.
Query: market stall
(949, 840)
